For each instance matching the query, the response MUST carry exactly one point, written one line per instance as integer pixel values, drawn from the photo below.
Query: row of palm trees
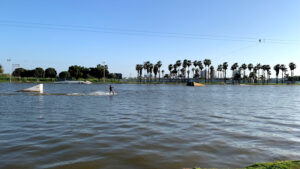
(149, 68)
(204, 70)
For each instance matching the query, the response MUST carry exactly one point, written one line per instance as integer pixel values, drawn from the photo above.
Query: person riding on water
(111, 90)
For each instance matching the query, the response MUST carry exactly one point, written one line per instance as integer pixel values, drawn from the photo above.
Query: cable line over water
(134, 32)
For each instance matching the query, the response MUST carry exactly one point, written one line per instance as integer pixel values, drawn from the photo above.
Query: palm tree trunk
(159, 75)
(225, 76)
(244, 76)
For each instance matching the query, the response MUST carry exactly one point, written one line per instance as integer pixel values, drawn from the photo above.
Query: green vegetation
(1, 69)
(274, 165)
(93, 74)
(180, 72)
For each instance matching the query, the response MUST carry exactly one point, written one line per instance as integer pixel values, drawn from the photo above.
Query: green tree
(195, 63)
(193, 71)
(200, 65)
(233, 68)
(159, 64)
(39, 72)
(1, 69)
(250, 67)
(267, 68)
(64, 75)
(75, 71)
(258, 67)
(244, 67)
(155, 71)
(292, 68)
(50, 72)
(283, 69)
(178, 64)
(139, 69)
(277, 69)
(207, 63)
(225, 66)
(19, 72)
(170, 67)
(189, 63)
(219, 69)
(252, 75)
(211, 72)
(151, 70)
(184, 65)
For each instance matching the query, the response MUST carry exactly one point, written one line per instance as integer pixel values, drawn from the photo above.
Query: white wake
(96, 93)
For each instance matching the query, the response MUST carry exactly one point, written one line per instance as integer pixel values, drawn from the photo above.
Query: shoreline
(289, 164)
(168, 83)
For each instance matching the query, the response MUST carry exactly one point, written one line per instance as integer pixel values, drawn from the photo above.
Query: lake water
(148, 126)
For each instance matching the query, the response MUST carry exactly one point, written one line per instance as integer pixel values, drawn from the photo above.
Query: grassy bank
(274, 165)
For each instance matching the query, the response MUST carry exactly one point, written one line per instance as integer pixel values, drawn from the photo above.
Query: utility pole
(9, 60)
(103, 71)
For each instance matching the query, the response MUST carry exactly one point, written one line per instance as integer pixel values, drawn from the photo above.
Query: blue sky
(125, 32)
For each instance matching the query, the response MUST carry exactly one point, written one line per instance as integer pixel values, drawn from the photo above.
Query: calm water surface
(148, 126)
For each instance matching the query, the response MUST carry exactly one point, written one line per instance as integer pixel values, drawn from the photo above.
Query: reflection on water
(148, 126)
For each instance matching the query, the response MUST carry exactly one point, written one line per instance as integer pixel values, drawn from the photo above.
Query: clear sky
(60, 33)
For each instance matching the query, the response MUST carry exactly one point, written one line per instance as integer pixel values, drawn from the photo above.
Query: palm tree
(193, 70)
(170, 67)
(225, 66)
(196, 72)
(189, 63)
(219, 69)
(292, 67)
(211, 72)
(178, 64)
(207, 63)
(252, 75)
(182, 70)
(244, 67)
(258, 67)
(250, 67)
(255, 72)
(263, 67)
(277, 69)
(155, 71)
(233, 68)
(184, 65)
(269, 75)
(283, 69)
(200, 67)
(146, 67)
(163, 73)
(268, 67)
(159, 66)
(150, 70)
(175, 71)
(195, 63)
(139, 69)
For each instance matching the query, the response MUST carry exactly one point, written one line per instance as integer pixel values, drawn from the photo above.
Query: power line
(134, 32)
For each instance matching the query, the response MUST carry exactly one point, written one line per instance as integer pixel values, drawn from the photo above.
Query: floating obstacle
(194, 84)
(74, 82)
(38, 88)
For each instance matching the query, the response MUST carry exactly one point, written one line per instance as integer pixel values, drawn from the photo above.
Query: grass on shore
(274, 165)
